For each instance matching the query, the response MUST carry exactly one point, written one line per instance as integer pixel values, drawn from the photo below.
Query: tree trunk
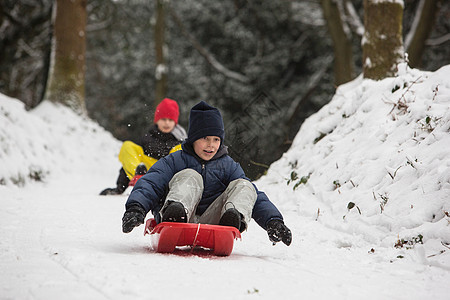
(160, 49)
(67, 66)
(421, 29)
(343, 58)
(382, 42)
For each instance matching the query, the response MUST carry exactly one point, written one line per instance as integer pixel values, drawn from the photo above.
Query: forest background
(265, 64)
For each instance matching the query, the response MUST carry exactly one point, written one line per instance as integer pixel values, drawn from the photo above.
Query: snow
(380, 148)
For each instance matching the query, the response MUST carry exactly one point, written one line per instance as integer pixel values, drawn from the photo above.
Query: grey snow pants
(186, 187)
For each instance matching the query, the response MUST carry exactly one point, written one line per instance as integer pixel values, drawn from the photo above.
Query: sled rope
(196, 235)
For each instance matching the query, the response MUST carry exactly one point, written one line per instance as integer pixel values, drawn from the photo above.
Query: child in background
(203, 184)
(164, 137)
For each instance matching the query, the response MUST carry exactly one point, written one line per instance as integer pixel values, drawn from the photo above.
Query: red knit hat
(168, 108)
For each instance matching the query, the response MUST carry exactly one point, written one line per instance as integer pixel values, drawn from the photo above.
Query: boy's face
(165, 125)
(207, 147)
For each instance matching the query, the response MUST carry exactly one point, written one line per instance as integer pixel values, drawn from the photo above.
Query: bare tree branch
(438, 41)
(205, 53)
(353, 19)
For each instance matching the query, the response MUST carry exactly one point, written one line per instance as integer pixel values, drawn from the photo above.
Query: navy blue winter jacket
(150, 191)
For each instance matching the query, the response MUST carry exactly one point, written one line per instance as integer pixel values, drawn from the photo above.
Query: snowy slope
(383, 146)
(49, 140)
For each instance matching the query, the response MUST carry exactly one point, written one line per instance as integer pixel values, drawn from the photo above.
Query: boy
(164, 137)
(202, 184)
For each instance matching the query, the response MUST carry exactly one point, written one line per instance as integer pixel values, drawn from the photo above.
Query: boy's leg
(240, 194)
(185, 187)
(131, 155)
(122, 181)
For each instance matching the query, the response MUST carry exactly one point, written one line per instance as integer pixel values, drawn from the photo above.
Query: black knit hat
(205, 120)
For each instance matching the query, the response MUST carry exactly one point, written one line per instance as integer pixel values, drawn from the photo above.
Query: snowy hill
(384, 149)
(48, 140)
(365, 189)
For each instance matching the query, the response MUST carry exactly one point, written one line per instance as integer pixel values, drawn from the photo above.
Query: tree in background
(66, 79)
(25, 42)
(382, 42)
(121, 64)
(419, 20)
(422, 26)
(161, 50)
(253, 59)
(340, 33)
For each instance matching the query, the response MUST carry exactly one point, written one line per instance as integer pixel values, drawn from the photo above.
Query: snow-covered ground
(365, 189)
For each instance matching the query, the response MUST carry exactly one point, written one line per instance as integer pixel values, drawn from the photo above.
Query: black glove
(277, 232)
(133, 217)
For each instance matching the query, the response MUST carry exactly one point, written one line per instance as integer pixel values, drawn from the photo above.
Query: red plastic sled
(166, 236)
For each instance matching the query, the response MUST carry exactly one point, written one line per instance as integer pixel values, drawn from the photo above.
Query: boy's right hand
(133, 217)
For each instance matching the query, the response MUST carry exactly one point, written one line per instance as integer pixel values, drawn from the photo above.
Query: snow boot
(231, 217)
(174, 212)
(141, 169)
(110, 191)
(122, 184)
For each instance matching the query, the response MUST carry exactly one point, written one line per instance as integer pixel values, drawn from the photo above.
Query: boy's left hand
(277, 232)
